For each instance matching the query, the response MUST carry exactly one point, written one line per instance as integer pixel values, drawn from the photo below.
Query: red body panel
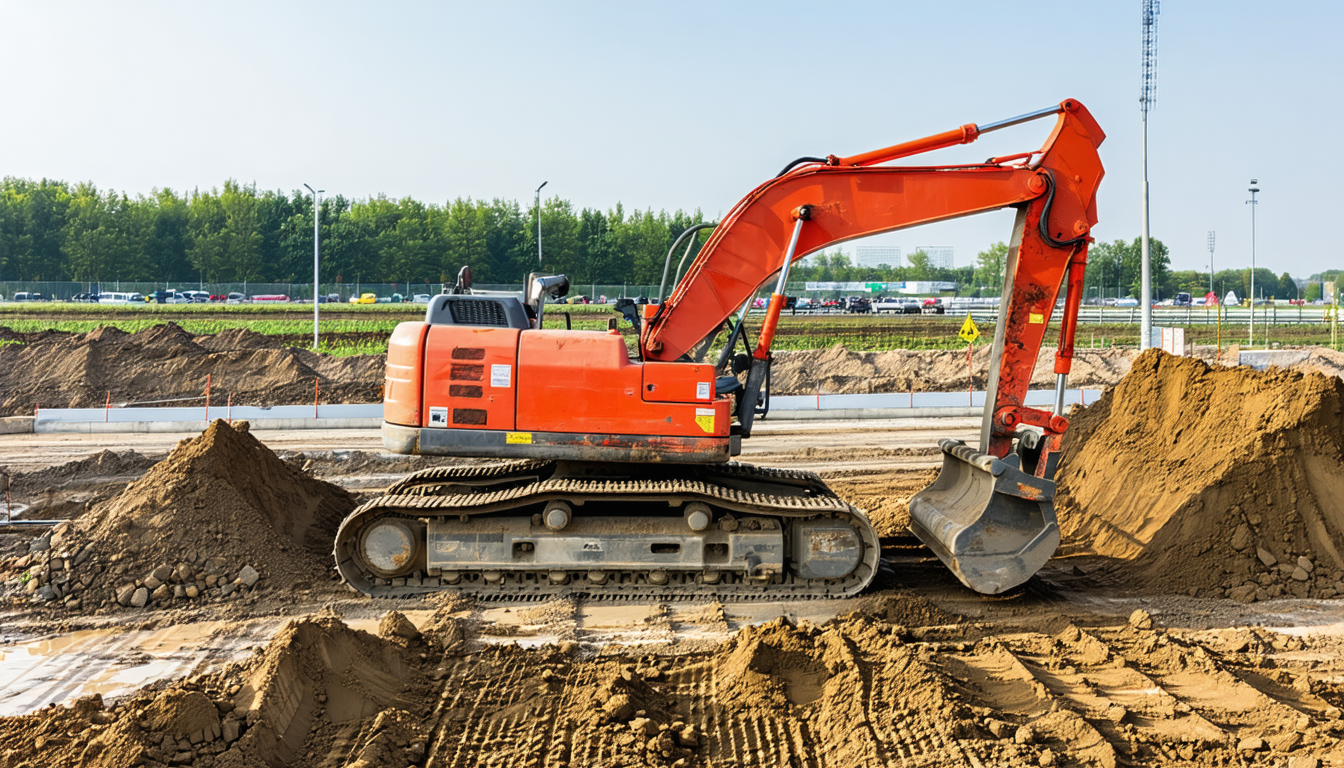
(585, 382)
(470, 375)
(402, 380)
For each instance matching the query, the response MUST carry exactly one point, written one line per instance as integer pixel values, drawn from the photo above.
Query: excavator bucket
(991, 523)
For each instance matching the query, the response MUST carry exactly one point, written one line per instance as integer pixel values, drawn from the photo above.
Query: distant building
(877, 255)
(940, 256)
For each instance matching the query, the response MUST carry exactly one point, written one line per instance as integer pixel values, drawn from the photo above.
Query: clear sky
(686, 104)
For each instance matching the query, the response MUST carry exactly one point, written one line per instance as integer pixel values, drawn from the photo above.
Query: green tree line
(50, 230)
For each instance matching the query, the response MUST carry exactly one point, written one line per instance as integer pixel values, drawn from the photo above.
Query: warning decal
(705, 418)
(518, 438)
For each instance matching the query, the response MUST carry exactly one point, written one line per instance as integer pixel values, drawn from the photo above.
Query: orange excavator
(611, 474)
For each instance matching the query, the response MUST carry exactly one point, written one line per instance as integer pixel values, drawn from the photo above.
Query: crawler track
(754, 498)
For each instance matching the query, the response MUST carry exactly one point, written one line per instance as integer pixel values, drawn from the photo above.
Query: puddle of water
(113, 663)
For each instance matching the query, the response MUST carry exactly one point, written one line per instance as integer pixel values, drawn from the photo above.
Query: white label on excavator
(702, 390)
(705, 418)
(501, 375)
(438, 417)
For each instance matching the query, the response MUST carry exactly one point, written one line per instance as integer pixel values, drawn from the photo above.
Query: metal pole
(316, 259)
(544, 183)
(1146, 330)
(1252, 203)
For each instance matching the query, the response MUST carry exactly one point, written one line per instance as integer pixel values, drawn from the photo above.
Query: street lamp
(544, 183)
(316, 254)
(1253, 189)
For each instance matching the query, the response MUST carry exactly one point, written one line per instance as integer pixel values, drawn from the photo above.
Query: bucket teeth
(989, 522)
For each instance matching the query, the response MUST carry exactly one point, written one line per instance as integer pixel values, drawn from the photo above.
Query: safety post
(107, 407)
(970, 375)
(317, 394)
(230, 406)
(207, 399)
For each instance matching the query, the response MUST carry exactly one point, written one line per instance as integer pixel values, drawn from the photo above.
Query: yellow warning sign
(969, 333)
(704, 417)
(1036, 318)
(518, 438)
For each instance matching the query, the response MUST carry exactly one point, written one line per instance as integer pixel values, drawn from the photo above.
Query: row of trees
(50, 230)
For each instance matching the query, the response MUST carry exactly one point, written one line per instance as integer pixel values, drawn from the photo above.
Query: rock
(1299, 574)
(1285, 742)
(643, 726)
(1246, 593)
(163, 572)
(1304, 563)
(1047, 758)
(1265, 557)
(140, 597)
(688, 737)
(230, 729)
(46, 593)
(179, 591)
(394, 624)
(184, 573)
(998, 728)
(1139, 619)
(1025, 735)
(1252, 744)
(1303, 761)
(162, 593)
(225, 590)
(192, 590)
(153, 582)
(618, 707)
(248, 575)
(125, 593)
(1241, 538)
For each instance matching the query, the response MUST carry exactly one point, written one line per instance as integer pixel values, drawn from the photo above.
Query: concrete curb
(871, 413)
(103, 427)
(16, 425)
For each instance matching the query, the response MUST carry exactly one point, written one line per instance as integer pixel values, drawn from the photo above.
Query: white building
(940, 256)
(877, 255)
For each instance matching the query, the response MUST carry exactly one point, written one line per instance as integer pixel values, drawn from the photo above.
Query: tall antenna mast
(1147, 100)
(1211, 238)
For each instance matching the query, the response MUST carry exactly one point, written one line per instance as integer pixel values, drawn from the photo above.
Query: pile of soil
(1210, 480)
(838, 370)
(221, 517)
(318, 687)
(60, 370)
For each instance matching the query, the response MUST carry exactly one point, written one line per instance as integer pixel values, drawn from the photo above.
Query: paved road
(816, 445)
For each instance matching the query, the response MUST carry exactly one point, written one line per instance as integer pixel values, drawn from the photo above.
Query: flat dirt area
(187, 612)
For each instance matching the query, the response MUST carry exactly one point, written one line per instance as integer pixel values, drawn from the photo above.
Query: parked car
(932, 307)
(364, 298)
(1126, 302)
(29, 296)
(859, 305)
(1181, 300)
(888, 304)
(420, 298)
(272, 297)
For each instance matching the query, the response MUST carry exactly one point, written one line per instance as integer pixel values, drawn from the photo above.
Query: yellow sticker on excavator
(1036, 318)
(518, 438)
(704, 417)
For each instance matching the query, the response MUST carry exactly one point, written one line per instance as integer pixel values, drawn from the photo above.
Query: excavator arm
(990, 515)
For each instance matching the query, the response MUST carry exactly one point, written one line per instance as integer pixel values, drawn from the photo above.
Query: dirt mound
(222, 516)
(1219, 480)
(318, 687)
(164, 362)
(102, 466)
(838, 370)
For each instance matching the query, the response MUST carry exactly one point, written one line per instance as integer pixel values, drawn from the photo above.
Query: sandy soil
(1093, 662)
